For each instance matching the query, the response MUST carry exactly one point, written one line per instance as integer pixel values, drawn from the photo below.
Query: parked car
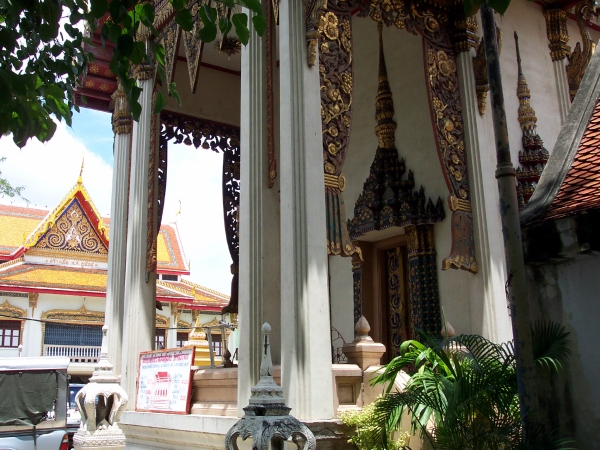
(33, 399)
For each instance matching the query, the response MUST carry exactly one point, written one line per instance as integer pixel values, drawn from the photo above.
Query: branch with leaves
(43, 56)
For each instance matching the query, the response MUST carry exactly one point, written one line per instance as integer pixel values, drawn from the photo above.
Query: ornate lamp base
(267, 418)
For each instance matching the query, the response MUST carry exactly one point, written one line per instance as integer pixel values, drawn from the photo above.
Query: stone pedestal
(101, 402)
(363, 351)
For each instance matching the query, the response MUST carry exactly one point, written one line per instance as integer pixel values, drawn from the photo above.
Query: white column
(259, 226)
(117, 251)
(140, 305)
(172, 333)
(486, 215)
(305, 327)
(562, 87)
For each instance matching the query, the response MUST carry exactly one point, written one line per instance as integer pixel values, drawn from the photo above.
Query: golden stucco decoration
(580, 58)
(335, 71)
(313, 10)
(73, 232)
(557, 32)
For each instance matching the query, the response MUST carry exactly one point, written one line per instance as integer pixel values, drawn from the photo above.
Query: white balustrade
(77, 353)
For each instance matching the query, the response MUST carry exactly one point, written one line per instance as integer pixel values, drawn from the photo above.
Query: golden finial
(527, 117)
(384, 105)
(80, 179)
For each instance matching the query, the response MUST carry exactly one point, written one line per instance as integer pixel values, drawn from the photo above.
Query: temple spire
(527, 117)
(533, 157)
(384, 104)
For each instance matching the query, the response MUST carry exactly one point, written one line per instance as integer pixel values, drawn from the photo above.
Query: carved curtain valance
(219, 138)
(335, 69)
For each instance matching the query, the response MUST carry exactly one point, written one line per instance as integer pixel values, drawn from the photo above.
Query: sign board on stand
(165, 381)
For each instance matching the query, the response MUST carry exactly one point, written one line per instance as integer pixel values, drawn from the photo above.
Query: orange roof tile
(202, 296)
(580, 190)
(18, 275)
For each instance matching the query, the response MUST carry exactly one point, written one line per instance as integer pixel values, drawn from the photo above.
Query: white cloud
(194, 178)
(48, 171)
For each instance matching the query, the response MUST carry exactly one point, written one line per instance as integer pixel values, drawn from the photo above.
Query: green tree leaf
(174, 93)
(98, 8)
(184, 19)
(159, 103)
(240, 21)
(260, 24)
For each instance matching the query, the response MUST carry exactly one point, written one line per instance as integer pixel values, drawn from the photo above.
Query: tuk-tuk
(33, 403)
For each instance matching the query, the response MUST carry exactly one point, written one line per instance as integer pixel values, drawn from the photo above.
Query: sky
(48, 171)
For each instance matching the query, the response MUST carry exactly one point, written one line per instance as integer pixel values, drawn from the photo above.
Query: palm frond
(550, 345)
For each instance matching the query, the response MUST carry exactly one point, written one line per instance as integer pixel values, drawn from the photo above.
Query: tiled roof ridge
(167, 285)
(205, 289)
(554, 184)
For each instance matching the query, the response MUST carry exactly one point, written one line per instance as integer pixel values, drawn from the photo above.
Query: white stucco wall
(217, 96)
(527, 19)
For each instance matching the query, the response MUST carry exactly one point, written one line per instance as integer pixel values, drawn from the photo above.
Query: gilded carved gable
(73, 231)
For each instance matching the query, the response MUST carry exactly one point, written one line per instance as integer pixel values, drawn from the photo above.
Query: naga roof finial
(384, 104)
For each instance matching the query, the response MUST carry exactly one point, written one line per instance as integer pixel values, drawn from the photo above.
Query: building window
(160, 338)
(169, 277)
(9, 333)
(182, 339)
(217, 344)
(73, 335)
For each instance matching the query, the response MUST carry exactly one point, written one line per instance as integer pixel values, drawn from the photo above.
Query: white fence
(78, 354)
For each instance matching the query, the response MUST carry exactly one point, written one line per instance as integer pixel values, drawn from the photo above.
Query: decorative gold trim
(67, 254)
(9, 311)
(335, 181)
(143, 72)
(313, 10)
(557, 32)
(121, 116)
(14, 313)
(162, 321)
(384, 104)
(185, 326)
(81, 316)
(33, 299)
(458, 204)
(580, 58)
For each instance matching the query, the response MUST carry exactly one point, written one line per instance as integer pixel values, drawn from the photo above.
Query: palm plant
(462, 393)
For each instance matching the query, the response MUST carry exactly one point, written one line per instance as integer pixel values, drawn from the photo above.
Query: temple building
(359, 163)
(53, 275)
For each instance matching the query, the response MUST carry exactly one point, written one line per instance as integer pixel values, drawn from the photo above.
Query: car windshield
(73, 390)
